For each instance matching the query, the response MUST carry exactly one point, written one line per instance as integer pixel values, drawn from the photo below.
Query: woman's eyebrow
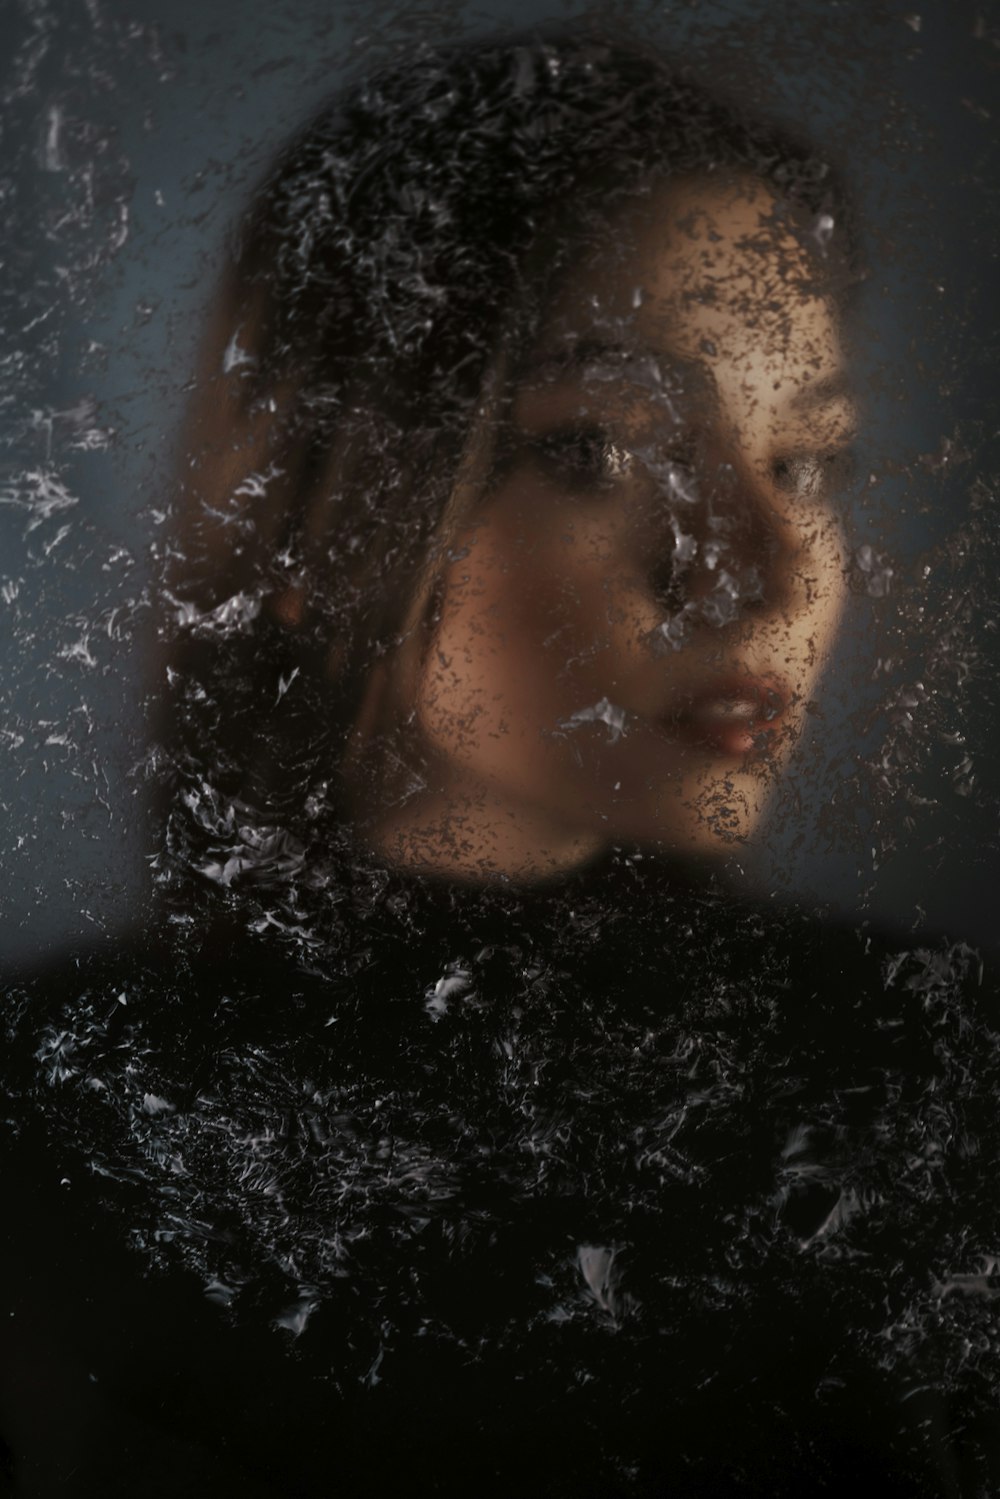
(823, 392)
(673, 372)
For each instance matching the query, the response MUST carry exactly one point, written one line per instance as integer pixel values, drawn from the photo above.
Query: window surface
(498, 573)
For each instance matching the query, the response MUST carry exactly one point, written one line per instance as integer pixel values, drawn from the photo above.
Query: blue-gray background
(133, 132)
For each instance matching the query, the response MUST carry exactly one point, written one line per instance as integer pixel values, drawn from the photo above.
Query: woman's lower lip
(733, 740)
(733, 721)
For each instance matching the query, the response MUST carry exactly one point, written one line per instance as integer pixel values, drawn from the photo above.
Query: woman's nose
(730, 552)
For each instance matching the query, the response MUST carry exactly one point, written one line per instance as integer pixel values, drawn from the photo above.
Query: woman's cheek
(519, 642)
(483, 690)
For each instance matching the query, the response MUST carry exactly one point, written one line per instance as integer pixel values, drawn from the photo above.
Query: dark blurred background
(132, 133)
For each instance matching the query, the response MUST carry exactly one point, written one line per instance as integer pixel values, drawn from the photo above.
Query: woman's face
(629, 625)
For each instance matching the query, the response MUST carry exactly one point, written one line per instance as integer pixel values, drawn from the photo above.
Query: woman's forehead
(705, 229)
(707, 284)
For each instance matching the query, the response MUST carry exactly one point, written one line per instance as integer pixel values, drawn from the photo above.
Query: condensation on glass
(499, 586)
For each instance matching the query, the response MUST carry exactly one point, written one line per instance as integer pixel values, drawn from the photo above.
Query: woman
(539, 349)
(510, 551)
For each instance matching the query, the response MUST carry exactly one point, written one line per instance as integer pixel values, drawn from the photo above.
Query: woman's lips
(735, 717)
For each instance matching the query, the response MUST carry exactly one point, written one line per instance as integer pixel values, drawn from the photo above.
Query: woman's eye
(586, 456)
(814, 476)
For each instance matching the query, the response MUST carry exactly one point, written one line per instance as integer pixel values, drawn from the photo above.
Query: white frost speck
(603, 712)
(235, 356)
(152, 1104)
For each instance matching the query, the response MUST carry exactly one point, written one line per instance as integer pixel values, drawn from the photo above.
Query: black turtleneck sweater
(606, 1191)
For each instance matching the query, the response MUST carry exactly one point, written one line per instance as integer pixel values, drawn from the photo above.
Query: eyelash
(587, 456)
(814, 476)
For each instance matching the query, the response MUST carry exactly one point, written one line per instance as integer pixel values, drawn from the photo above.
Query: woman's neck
(471, 834)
